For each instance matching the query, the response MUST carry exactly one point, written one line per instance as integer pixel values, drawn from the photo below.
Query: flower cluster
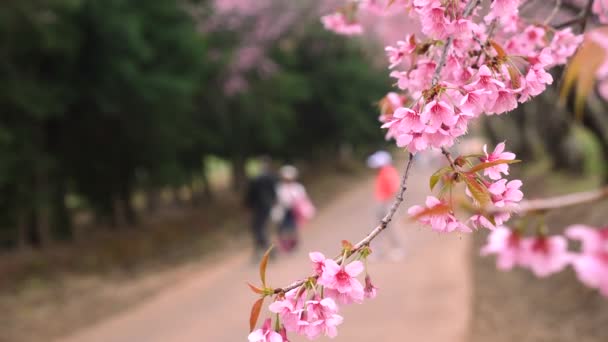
(545, 255)
(600, 8)
(312, 309)
(486, 66)
(484, 185)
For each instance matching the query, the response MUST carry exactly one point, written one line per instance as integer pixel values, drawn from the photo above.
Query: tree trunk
(118, 214)
(239, 174)
(127, 204)
(43, 210)
(207, 191)
(62, 221)
(153, 199)
(23, 236)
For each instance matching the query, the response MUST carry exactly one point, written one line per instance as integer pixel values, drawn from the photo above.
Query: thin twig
(371, 235)
(556, 8)
(448, 156)
(558, 202)
(444, 55)
(586, 14)
(471, 5)
(579, 19)
(541, 205)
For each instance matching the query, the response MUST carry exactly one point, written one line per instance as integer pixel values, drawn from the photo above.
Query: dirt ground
(423, 297)
(517, 306)
(51, 294)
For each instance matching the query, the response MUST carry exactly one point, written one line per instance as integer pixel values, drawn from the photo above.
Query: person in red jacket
(386, 185)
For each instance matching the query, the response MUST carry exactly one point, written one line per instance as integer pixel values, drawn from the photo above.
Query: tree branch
(448, 156)
(371, 235)
(558, 202)
(579, 19)
(471, 5)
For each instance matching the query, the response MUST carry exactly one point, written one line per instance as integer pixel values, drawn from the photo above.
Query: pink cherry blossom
(480, 221)
(320, 318)
(318, 262)
(545, 255)
(443, 222)
(505, 101)
(338, 23)
(506, 244)
(289, 309)
(265, 334)
(591, 265)
(474, 100)
(438, 113)
(536, 81)
(534, 35)
(342, 279)
(564, 44)
(402, 52)
(505, 194)
(433, 20)
(499, 153)
(370, 289)
(600, 8)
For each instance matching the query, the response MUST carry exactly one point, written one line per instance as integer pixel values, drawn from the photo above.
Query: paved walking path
(423, 297)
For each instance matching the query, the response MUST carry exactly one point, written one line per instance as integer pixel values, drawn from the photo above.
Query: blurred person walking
(294, 205)
(260, 198)
(386, 185)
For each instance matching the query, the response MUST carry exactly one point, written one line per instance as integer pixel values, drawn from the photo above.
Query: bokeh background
(128, 130)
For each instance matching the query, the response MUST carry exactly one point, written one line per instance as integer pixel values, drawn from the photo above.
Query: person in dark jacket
(260, 198)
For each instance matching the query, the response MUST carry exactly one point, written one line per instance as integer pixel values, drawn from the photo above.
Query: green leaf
(478, 190)
(435, 177)
(486, 165)
(255, 313)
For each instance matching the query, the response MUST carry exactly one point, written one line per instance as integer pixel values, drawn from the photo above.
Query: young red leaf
(438, 209)
(478, 190)
(486, 165)
(514, 75)
(255, 313)
(255, 289)
(347, 245)
(263, 265)
(499, 50)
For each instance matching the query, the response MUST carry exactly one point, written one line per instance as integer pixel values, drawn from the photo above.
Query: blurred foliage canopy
(102, 98)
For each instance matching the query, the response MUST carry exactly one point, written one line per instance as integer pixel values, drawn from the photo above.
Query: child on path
(295, 206)
(386, 185)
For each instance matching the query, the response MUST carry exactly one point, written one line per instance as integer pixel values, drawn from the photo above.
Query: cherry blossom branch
(371, 235)
(471, 5)
(448, 156)
(389, 216)
(558, 202)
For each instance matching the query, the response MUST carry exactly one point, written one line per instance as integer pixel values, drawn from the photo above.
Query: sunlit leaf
(435, 177)
(263, 265)
(499, 50)
(255, 313)
(580, 75)
(486, 165)
(514, 75)
(479, 191)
